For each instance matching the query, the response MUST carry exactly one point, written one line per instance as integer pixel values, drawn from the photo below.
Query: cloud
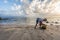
(45, 7)
(21, 0)
(17, 10)
(33, 8)
(5, 1)
(40, 7)
(57, 7)
(16, 7)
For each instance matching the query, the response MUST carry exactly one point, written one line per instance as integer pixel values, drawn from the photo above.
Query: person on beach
(39, 21)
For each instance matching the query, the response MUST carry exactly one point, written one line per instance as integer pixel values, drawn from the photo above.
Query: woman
(39, 21)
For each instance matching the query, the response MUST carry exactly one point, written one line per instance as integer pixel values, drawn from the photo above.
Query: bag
(43, 26)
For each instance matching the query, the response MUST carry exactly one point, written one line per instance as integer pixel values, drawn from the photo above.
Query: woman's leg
(40, 24)
(35, 25)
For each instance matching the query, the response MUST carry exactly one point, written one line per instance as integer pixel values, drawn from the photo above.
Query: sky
(29, 7)
(45, 7)
(9, 7)
(6, 4)
(12, 7)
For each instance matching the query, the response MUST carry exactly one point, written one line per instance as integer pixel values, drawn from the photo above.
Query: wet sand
(29, 33)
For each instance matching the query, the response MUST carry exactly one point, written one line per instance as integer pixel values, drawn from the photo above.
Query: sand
(8, 32)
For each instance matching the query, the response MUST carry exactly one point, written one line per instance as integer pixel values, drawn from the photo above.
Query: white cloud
(17, 10)
(57, 7)
(16, 7)
(44, 7)
(35, 8)
(21, 0)
(5, 1)
(38, 7)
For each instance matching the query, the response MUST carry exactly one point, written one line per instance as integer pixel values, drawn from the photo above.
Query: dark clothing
(38, 20)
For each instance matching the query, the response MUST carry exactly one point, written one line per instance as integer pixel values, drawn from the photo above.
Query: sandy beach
(18, 19)
(8, 32)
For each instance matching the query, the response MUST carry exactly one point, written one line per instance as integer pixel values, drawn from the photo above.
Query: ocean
(28, 21)
(18, 21)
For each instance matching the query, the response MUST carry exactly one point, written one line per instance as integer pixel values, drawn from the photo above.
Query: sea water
(18, 21)
(28, 20)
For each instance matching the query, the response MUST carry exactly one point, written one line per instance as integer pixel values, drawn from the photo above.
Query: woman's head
(44, 19)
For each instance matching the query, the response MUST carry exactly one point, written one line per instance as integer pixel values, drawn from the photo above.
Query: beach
(18, 19)
(27, 32)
